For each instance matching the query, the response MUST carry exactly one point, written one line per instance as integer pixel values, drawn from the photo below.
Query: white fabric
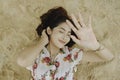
(65, 69)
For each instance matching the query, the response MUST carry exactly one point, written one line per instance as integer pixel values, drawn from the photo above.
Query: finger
(81, 20)
(75, 39)
(75, 21)
(44, 33)
(71, 26)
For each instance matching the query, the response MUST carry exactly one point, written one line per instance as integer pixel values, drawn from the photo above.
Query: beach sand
(19, 19)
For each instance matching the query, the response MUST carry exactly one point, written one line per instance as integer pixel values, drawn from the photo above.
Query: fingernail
(67, 20)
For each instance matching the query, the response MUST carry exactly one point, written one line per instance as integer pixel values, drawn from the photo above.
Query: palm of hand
(86, 38)
(85, 35)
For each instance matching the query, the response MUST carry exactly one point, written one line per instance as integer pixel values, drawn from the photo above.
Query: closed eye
(61, 31)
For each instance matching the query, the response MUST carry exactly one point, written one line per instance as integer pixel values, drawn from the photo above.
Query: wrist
(95, 47)
(99, 48)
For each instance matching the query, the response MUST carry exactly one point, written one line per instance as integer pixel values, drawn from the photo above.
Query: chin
(59, 45)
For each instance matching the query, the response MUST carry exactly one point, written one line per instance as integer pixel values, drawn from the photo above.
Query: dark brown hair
(52, 19)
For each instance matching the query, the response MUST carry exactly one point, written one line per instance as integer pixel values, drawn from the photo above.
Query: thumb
(75, 39)
(44, 32)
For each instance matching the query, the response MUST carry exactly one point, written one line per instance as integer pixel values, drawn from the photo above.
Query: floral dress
(61, 68)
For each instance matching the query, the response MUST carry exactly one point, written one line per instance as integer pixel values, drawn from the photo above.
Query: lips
(61, 41)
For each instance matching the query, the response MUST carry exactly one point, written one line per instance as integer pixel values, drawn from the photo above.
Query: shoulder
(75, 52)
(76, 55)
(75, 49)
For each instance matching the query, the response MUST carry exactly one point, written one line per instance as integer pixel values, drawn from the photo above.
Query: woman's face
(60, 35)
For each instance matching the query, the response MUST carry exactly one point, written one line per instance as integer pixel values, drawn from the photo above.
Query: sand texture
(19, 19)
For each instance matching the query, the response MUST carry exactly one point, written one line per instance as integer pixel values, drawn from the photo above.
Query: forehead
(64, 26)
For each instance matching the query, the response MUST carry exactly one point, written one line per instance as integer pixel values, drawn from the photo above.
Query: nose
(64, 38)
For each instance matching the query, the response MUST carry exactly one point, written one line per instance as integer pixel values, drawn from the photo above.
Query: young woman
(53, 57)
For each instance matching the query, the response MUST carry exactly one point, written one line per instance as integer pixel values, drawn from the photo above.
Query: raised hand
(44, 37)
(86, 37)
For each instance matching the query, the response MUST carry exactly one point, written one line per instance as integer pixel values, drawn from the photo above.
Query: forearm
(28, 55)
(104, 53)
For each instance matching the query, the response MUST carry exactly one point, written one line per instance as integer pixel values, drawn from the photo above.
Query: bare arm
(28, 55)
(87, 40)
(101, 55)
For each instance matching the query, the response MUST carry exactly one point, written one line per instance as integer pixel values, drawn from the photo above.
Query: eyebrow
(65, 30)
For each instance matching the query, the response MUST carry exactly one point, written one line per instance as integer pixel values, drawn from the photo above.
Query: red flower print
(43, 78)
(68, 57)
(62, 78)
(57, 64)
(35, 65)
(52, 74)
(47, 60)
(76, 55)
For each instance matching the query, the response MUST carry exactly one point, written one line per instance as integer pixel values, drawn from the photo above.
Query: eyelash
(63, 32)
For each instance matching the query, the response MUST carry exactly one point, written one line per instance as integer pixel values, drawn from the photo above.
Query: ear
(49, 31)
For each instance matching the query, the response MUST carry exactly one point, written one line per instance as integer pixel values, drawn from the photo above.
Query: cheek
(55, 37)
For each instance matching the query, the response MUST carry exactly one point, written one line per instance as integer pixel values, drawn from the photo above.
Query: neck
(52, 49)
